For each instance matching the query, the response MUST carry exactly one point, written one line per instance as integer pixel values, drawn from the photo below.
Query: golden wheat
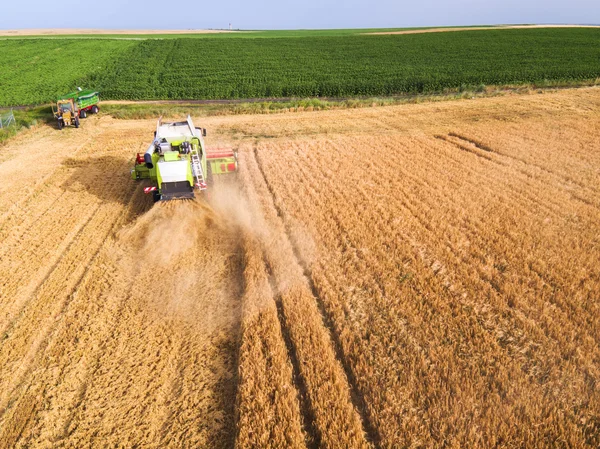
(422, 275)
(459, 273)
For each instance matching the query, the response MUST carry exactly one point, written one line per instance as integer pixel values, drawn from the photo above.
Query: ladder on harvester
(197, 170)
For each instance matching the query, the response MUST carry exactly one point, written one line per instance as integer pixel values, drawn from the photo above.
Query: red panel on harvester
(230, 167)
(218, 153)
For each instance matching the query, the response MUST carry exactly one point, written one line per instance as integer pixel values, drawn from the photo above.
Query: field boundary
(153, 108)
(49, 330)
(7, 119)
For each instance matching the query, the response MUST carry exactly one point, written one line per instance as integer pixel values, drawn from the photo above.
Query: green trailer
(86, 100)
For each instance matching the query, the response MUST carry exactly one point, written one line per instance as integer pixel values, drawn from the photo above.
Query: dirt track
(83, 31)
(493, 27)
(356, 286)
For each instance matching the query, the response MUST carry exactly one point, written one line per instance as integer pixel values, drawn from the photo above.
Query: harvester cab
(66, 113)
(178, 163)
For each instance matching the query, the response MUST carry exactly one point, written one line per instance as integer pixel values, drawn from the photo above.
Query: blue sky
(278, 14)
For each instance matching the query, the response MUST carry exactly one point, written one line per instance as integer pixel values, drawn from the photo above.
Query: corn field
(303, 64)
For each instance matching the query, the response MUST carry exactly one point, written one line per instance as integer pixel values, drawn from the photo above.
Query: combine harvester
(178, 163)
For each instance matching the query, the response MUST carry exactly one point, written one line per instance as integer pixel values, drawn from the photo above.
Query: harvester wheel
(95, 109)
(60, 124)
(76, 122)
(82, 114)
(155, 196)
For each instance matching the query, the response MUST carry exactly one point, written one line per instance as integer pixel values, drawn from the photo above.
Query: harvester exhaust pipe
(148, 160)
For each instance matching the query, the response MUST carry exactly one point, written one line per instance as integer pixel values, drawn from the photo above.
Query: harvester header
(178, 163)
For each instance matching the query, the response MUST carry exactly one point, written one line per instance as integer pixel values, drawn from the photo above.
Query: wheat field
(422, 275)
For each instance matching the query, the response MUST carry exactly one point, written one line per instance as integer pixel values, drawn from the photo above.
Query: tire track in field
(350, 206)
(89, 371)
(22, 204)
(38, 344)
(524, 195)
(40, 248)
(409, 204)
(21, 416)
(356, 396)
(320, 188)
(546, 203)
(167, 372)
(51, 192)
(24, 218)
(50, 271)
(477, 143)
(44, 335)
(312, 438)
(482, 150)
(271, 411)
(465, 148)
(21, 413)
(313, 441)
(16, 307)
(89, 364)
(172, 392)
(384, 206)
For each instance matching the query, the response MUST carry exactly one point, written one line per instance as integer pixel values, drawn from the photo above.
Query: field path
(492, 27)
(84, 31)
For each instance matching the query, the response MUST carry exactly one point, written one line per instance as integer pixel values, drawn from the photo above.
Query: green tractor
(66, 113)
(178, 163)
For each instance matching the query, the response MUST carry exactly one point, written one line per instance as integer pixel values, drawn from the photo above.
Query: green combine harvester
(86, 101)
(178, 163)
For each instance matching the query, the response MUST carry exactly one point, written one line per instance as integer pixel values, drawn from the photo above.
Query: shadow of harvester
(108, 178)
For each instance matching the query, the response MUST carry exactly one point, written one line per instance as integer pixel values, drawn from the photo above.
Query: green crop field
(313, 64)
(37, 71)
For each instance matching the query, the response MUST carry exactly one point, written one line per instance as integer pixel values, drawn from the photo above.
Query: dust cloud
(186, 257)
(237, 209)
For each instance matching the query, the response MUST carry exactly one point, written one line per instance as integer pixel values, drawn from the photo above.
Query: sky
(282, 14)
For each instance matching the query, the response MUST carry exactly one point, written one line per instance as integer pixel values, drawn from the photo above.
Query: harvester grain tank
(178, 163)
